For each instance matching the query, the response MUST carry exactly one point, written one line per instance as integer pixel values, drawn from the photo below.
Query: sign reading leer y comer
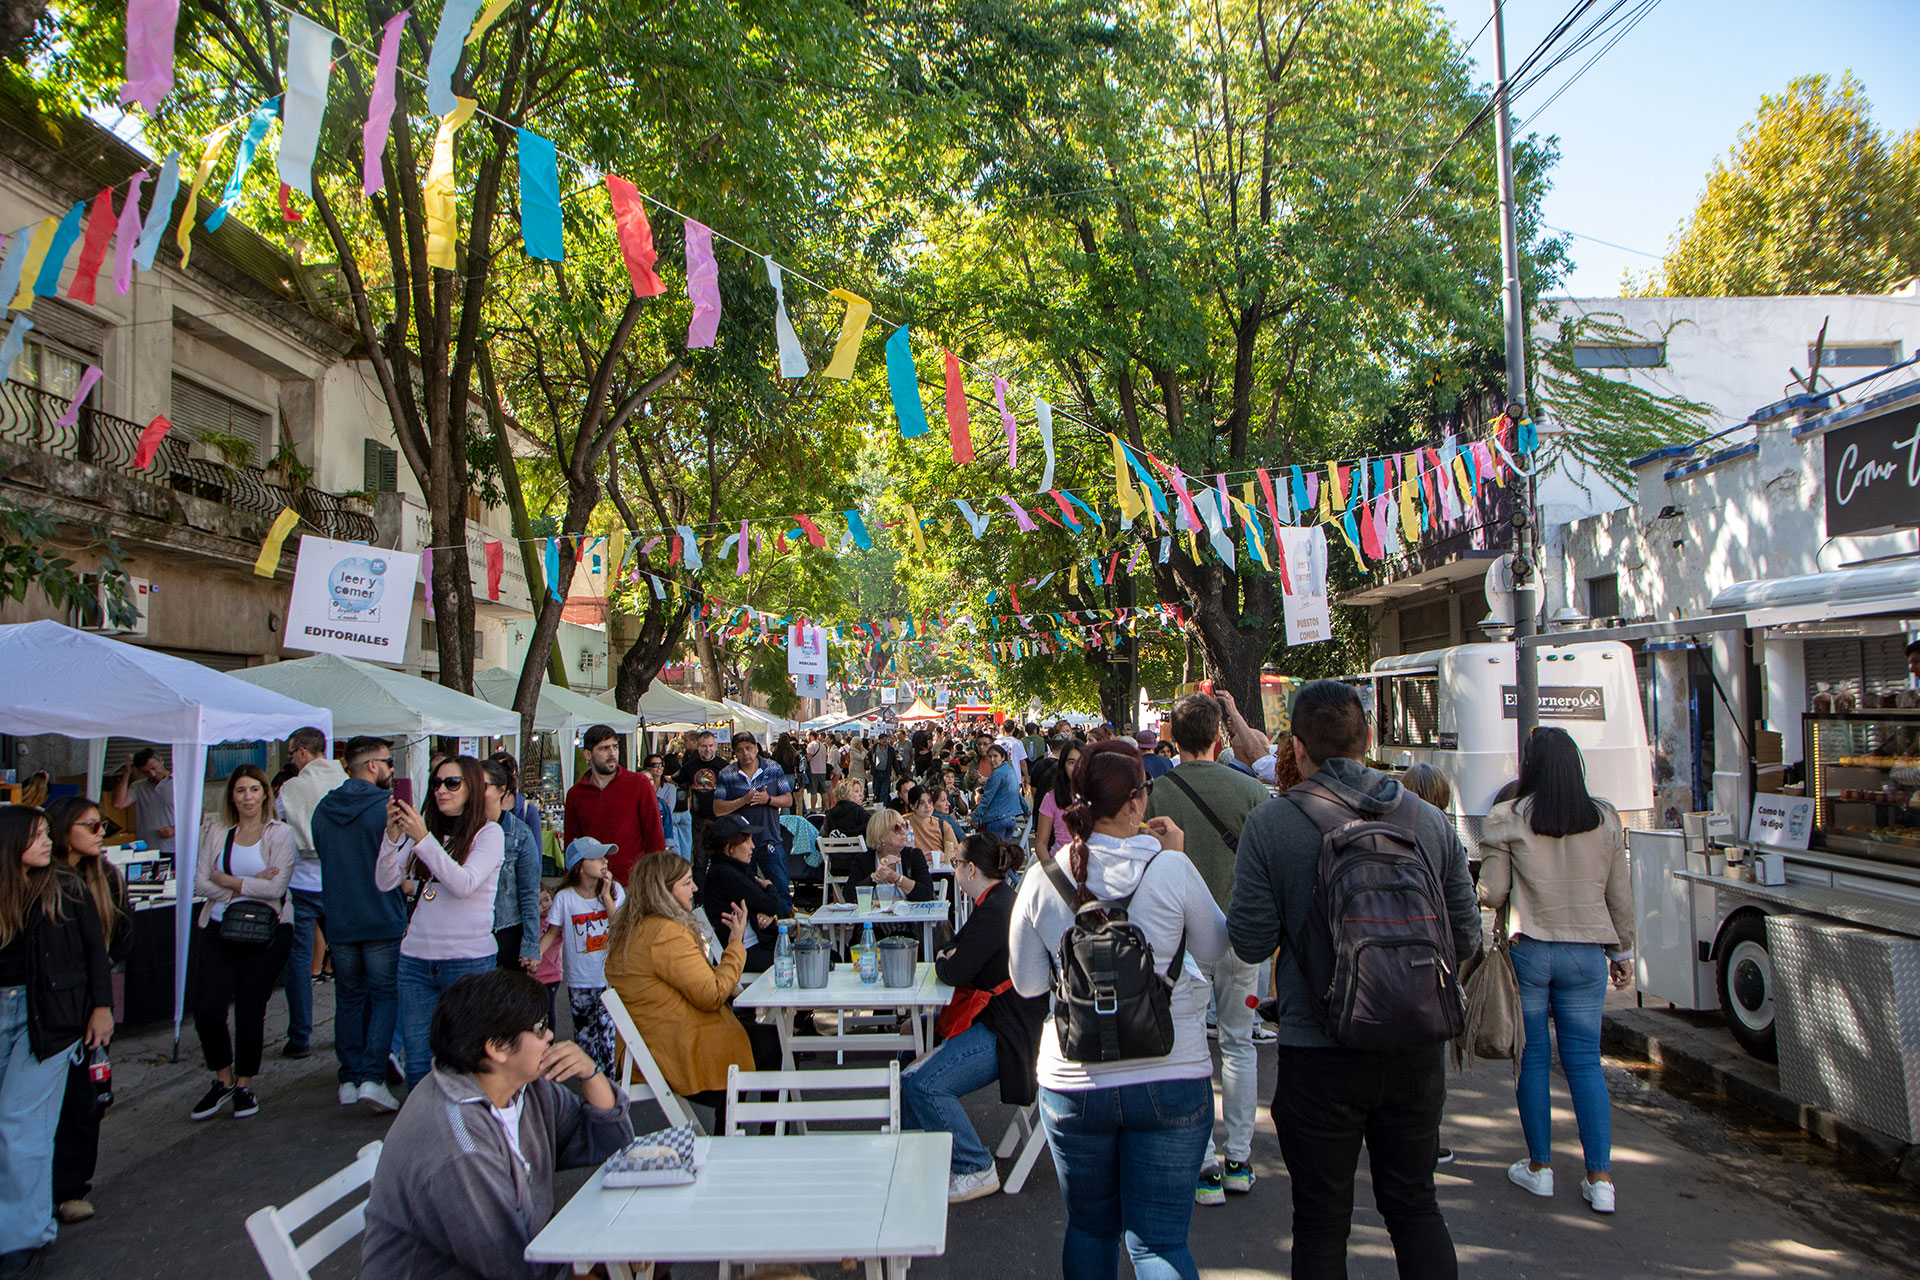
(352, 599)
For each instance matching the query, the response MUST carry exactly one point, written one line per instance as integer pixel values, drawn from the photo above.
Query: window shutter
(379, 467)
(197, 408)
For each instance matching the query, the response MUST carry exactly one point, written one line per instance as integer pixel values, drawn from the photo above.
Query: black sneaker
(297, 1050)
(212, 1100)
(1239, 1177)
(1445, 1156)
(244, 1103)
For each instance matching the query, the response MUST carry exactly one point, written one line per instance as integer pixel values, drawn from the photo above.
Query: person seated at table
(848, 816)
(730, 880)
(891, 859)
(466, 1176)
(929, 833)
(988, 1031)
(658, 960)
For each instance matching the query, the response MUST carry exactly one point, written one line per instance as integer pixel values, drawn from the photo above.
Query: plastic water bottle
(100, 1073)
(783, 966)
(869, 955)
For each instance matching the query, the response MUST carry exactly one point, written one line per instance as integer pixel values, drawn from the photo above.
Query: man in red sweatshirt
(613, 805)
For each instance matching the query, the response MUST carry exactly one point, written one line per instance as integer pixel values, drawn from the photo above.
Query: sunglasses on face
(538, 1029)
(448, 782)
(96, 826)
(385, 760)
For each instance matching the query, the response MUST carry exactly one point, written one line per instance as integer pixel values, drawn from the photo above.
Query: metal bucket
(896, 961)
(811, 962)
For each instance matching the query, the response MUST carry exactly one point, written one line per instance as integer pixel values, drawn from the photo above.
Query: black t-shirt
(696, 780)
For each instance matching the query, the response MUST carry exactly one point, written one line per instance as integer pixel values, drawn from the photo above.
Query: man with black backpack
(1362, 888)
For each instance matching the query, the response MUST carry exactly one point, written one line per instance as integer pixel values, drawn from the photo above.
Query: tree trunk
(546, 623)
(659, 628)
(710, 674)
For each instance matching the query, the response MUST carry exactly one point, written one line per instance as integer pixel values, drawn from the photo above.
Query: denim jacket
(517, 900)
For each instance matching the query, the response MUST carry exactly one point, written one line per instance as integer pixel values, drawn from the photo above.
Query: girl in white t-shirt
(579, 917)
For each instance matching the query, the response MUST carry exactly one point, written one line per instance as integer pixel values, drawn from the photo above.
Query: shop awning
(557, 708)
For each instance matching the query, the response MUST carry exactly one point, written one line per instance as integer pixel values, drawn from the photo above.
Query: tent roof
(70, 682)
(663, 704)
(366, 698)
(919, 711)
(557, 708)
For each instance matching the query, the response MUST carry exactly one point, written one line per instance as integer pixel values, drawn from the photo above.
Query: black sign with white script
(1873, 474)
(1559, 702)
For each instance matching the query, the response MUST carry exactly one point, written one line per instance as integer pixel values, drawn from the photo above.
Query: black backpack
(1111, 1002)
(1378, 953)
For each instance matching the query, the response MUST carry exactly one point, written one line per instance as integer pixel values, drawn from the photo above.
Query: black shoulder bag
(1233, 841)
(246, 922)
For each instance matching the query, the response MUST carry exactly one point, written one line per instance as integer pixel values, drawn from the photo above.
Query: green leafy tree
(1815, 199)
(27, 563)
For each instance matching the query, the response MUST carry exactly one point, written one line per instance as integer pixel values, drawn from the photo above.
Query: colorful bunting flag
(1043, 419)
(1006, 420)
(485, 20)
(740, 562)
(438, 194)
(793, 361)
(93, 249)
(126, 236)
(262, 119)
(636, 236)
(11, 266)
(1021, 519)
(150, 439)
(1131, 503)
(14, 343)
(373, 134)
(216, 141)
(703, 286)
(959, 432)
(540, 229)
(857, 528)
(47, 282)
(904, 384)
(853, 327)
(814, 535)
(87, 381)
(150, 32)
(976, 524)
(267, 563)
(913, 524)
(496, 565)
(309, 63)
(690, 549)
(159, 214)
(456, 20)
(551, 552)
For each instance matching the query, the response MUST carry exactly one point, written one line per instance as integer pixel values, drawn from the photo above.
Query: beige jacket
(679, 1003)
(270, 886)
(1570, 889)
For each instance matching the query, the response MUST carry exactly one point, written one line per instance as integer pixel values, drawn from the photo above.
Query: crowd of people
(447, 948)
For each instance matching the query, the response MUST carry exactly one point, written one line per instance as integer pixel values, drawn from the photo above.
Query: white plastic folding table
(842, 917)
(844, 993)
(879, 1198)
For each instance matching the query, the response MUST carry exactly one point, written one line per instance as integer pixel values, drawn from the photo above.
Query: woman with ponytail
(1128, 1137)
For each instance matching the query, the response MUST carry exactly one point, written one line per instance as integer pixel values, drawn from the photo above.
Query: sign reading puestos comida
(1873, 473)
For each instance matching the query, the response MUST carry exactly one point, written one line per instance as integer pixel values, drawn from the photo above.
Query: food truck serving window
(1409, 710)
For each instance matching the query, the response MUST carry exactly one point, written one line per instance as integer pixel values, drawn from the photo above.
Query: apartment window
(1603, 596)
(1640, 355)
(1426, 626)
(1856, 355)
(198, 408)
(380, 468)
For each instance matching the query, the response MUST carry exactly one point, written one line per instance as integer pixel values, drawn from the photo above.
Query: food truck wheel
(1746, 985)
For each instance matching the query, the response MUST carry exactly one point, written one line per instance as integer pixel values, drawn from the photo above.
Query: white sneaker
(349, 1094)
(379, 1095)
(1521, 1173)
(1598, 1194)
(962, 1187)
(1264, 1032)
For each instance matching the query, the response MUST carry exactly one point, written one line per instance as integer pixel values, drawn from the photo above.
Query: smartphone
(403, 789)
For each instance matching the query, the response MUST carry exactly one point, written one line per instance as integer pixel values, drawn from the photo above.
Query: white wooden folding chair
(861, 1093)
(1024, 1134)
(834, 886)
(272, 1228)
(652, 1085)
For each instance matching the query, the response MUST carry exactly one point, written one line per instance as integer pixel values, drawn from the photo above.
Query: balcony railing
(30, 417)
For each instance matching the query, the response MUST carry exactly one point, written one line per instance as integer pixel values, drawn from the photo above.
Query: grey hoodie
(1273, 880)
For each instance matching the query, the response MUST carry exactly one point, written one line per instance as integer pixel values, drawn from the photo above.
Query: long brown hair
(1110, 775)
(100, 876)
(650, 893)
(22, 888)
(259, 775)
(456, 834)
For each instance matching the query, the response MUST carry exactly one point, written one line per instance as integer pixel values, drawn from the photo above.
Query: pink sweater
(457, 922)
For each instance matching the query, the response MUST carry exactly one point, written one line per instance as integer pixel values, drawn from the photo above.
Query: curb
(1636, 1033)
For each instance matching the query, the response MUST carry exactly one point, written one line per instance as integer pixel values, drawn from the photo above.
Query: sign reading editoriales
(1558, 702)
(1786, 822)
(1873, 474)
(352, 599)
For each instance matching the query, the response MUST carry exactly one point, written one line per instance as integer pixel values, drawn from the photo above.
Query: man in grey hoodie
(1330, 1099)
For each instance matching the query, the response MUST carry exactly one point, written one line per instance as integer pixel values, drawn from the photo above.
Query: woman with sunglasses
(79, 840)
(890, 859)
(988, 1031)
(451, 857)
(248, 856)
(55, 990)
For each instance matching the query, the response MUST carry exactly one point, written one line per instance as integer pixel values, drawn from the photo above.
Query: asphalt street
(1705, 1189)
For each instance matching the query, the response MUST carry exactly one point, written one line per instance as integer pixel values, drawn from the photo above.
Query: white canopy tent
(763, 724)
(79, 685)
(370, 699)
(558, 710)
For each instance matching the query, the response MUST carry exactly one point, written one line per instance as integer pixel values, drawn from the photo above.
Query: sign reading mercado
(352, 599)
(1873, 473)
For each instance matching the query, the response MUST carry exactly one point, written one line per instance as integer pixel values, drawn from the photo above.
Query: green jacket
(1231, 795)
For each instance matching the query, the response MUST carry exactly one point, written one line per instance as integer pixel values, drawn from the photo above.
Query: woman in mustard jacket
(659, 962)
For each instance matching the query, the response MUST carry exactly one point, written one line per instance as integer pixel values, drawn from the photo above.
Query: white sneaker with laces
(349, 1094)
(1598, 1194)
(1539, 1181)
(379, 1095)
(962, 1187)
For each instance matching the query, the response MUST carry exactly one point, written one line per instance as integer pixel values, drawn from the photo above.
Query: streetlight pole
(1526, 670)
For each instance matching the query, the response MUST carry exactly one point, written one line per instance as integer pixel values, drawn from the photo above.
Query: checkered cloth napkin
(663, 1158)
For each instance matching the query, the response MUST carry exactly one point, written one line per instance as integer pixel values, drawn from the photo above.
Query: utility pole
(1526, 668)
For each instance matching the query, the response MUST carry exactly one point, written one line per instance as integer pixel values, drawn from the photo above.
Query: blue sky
(1639, 131)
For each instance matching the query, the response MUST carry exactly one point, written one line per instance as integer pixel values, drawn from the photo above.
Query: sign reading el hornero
(1559, 702)
(1873, 473)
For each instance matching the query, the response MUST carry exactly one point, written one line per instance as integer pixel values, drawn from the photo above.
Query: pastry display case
(1863, 770)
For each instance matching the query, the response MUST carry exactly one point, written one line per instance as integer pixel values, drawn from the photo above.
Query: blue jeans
(772, 861)
(421, 984)
(931, 1089)
(1567, 981)
(29, 1112)
(309, 908)
(683, 834)
(366, 1007)
(1127, 1158)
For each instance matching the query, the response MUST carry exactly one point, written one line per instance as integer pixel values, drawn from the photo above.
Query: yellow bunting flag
(438, 192)
(852, 329)
(269, 561)
(487, 19)
(1073, 580)
(1409, 514)
(1255, 538)
(1336, 496)
(913, 517)
(30, 269)
(216, 141)
(1460, 474)
(616, 553)
(1131, 503)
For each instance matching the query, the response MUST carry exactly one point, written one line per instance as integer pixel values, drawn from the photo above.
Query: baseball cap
(1146, 737)
(587, 847)
(729, 826)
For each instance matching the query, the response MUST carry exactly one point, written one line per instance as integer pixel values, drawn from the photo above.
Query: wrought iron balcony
(29, 417)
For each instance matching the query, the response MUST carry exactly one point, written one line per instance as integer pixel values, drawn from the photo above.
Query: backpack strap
(1206, 811)
(1065, 888)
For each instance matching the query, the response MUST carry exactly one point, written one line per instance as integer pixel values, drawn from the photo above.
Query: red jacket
(625, 812)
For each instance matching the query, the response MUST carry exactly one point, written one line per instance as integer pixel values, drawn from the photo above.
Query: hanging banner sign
(940, 697)
(813, 685)
(886, 695)
(352, 599)
(1873, 474)
(1304, 598)
(807, 652)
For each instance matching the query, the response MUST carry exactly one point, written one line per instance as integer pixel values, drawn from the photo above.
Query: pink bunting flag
(958, 431)
(636, 237)
(373, 135)
(703, 286)
(87, 379)
(1020, 516)
(126, 236)
(1006, 419)
(426, 578)
(150, 31)
(93, 249)
(1178, 480)
(150, 439)
(740, 562)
